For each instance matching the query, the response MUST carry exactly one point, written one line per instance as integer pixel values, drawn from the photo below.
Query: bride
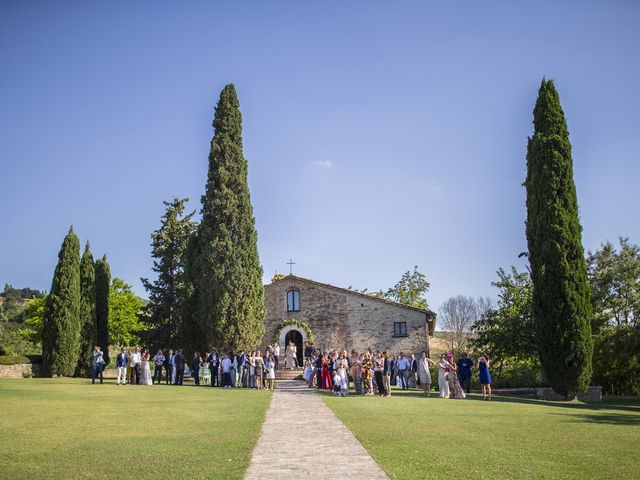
(289, 356)
(145, 373)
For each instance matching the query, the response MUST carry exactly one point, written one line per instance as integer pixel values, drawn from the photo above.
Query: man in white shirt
(135, 366)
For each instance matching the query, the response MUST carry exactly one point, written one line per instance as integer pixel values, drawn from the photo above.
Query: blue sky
(379, 135)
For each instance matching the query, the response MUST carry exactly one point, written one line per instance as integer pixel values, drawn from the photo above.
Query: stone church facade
(342, 319)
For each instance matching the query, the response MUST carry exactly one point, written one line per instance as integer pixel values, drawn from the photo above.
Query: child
(337, 385)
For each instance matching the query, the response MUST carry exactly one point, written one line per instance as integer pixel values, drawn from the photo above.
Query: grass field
(508, 438)
(68, 428)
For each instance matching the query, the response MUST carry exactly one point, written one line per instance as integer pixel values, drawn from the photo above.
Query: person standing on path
(386, 375)
(413, 371)
(424, 373)
(485, 376)
(121, 366)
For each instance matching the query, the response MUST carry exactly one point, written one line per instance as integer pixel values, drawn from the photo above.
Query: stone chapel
(339, 318)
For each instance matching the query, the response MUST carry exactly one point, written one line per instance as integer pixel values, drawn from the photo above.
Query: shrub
(13, 359)
(616, 357)
(518, 374)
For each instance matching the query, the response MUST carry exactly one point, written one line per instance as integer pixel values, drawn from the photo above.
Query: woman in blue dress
(485, 376)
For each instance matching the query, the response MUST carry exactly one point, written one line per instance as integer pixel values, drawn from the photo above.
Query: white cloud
(322, 163)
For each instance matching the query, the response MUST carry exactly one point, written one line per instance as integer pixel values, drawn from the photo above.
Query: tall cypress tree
(561, 297)
(61, 328)
(102, 286)
(166, 293)
(87, 311)
(224, 268)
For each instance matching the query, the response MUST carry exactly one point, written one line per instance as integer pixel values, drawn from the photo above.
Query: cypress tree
(102, 286)
(87, 311)
(561, 297)
(166, 293)
(224, 268)
(61, 328)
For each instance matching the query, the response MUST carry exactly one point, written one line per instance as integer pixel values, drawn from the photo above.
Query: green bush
(517, 374)
(616, 360)
(13, 359)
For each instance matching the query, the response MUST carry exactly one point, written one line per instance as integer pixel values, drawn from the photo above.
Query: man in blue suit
(121, 366)
(179, 361)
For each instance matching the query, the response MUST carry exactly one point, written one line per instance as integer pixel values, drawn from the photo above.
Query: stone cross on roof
(291, 263)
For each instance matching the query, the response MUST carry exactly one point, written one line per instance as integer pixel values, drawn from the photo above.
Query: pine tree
(166, 293)
(561, 303)
(103, 282)
(227, 295)
(87, 311)
(61, 330)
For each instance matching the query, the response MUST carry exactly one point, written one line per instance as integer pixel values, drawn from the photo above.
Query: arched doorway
(295, 337)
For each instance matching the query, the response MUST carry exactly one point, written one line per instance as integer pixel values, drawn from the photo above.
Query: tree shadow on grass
(605, 418)
(569, 405)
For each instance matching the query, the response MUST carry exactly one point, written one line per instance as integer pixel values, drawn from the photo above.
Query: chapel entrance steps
(284, 374)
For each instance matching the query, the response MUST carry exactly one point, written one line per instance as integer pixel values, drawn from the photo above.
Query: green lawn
(68, 428)
(413, 437)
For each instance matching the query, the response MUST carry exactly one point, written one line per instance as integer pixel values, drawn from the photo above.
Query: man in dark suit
(121, 367)
(195, 368)
(180, 361)
(168, 365)
(214, 360)
(413, 371)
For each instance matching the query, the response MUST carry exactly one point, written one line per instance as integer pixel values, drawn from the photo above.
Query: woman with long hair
(366, 367)
(424, 373)
(455, 389)
(443, 369)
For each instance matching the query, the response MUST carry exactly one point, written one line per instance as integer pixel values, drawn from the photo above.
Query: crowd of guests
(369, 373)
(373, 373)
(244, 369)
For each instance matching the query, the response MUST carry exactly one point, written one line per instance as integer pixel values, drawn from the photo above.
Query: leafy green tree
(124, 314)
(167, 292)
(61, 329)
(561, 297)
(410, 290)
(507, 332)
(87, 311)
(34, 320)
(102, 290)
(226, 295)
(614, 276)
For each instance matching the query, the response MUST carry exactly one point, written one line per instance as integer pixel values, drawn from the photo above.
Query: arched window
(293, 301)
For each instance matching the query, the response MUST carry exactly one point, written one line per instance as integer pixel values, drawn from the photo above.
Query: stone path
(303, 438)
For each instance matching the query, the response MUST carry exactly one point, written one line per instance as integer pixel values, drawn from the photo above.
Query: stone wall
(21, 370)
(344, 320)
(593, 394)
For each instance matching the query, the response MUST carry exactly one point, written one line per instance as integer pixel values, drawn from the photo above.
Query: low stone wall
(592, 395)
(21, 370)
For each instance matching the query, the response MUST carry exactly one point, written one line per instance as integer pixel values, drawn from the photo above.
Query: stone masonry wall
(20, 370)
(342, 320)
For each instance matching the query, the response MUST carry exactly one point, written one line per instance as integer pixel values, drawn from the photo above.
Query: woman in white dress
(341, 369)
(443, 369)
(145, 370)
(289, 361)
(424, 373)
